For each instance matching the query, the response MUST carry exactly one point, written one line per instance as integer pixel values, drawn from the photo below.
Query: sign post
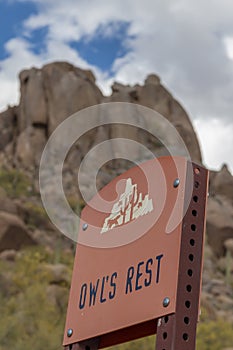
(138, 263)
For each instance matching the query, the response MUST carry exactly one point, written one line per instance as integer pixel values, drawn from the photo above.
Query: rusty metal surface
(90, 344)
(153, 258)
(165, 333)
(130, 333)
(178, 331)
(117, 337)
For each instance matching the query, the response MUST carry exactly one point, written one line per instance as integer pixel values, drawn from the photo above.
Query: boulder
(152, 79)
(154, 95)
(13, 233)
(68, 90)
(33, 103)
(53, 240)
(222, 183)
(48, 96)
(219, 223)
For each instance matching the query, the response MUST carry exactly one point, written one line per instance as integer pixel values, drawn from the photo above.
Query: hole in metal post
(166, 319)
(191, 257)
(194, 213)
(195, 199)
(185, 337)
(190, 272)
(87, 347)
(196, 184)
(187, 304)
(186, 320)
(164, 335)
(193, 227)
(197, 171)
(192, 242)
(189, 288)
(70, 346)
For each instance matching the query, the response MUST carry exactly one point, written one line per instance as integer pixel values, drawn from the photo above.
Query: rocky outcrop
(33, 104)
(220, 210)
(153, 95)
(13, 233)
(219, 223)
(221, 183)
(50, 94)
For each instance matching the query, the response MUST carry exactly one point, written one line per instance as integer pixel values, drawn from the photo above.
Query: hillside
(35, 258)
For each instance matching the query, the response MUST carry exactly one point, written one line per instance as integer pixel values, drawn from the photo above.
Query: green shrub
(214, 335)
(15, 183)
(147, 343)
(37, 216)
(29, 320)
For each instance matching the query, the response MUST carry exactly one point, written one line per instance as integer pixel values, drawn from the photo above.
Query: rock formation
(51, 94)
(48, 96)
(220, 209)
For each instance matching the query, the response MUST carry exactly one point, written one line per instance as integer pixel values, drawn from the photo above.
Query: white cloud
(186, 48)
(188, 43)
(228, 41)
(20, 57)
(216, 142)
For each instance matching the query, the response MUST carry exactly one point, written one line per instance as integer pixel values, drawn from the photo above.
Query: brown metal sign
(126, 270)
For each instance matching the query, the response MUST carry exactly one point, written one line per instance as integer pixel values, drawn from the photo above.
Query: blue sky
(12, 15)
(125, 40)
(100, 50)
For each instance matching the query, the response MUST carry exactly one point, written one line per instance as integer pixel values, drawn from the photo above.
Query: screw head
(176, 183)
(166, 302)
(85, 226)
(69, 332)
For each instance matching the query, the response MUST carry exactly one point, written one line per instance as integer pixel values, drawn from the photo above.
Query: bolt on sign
(138, 263)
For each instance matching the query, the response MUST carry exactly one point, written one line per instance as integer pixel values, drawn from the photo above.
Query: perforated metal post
(178, 331)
